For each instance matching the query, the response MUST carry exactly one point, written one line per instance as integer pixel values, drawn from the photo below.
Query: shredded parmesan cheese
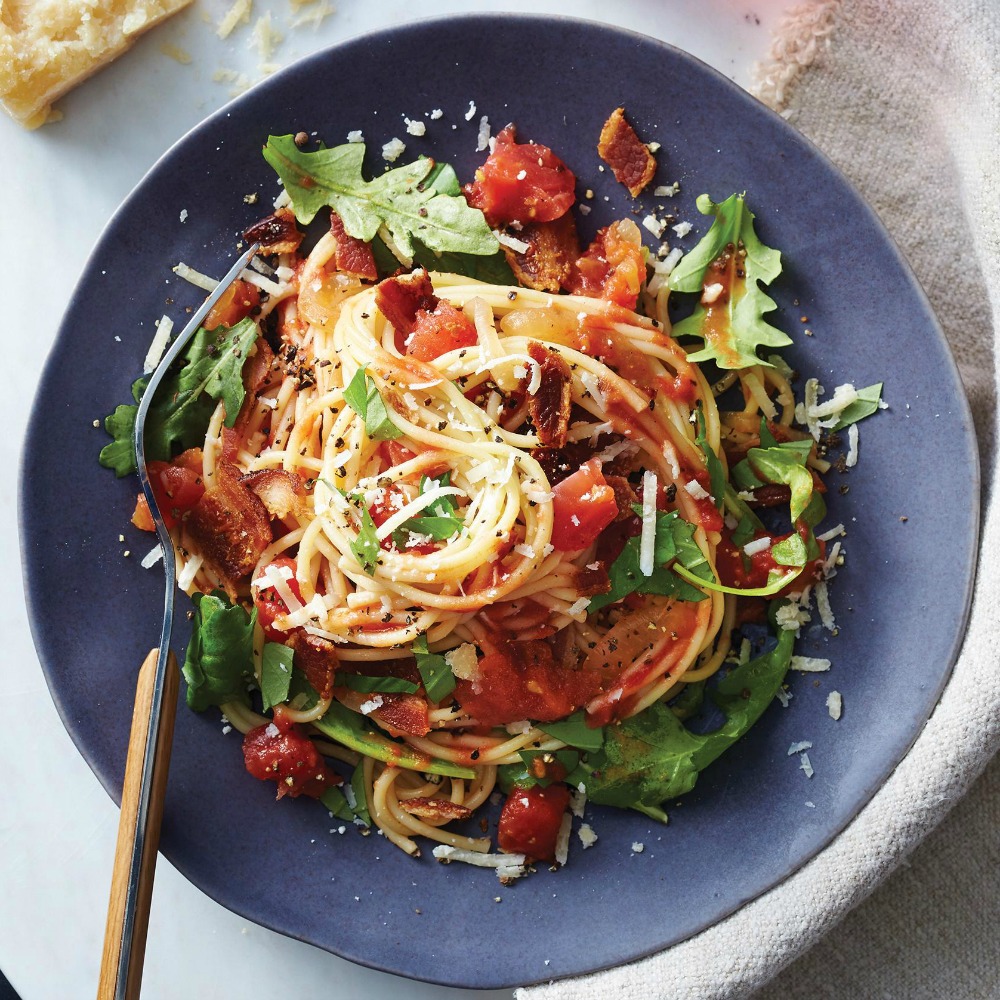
(647, 537)
(164, 327)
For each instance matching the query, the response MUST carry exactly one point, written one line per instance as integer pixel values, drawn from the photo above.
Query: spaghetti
(489, 524)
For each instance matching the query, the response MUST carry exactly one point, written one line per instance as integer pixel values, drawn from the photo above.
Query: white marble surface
(61, 185)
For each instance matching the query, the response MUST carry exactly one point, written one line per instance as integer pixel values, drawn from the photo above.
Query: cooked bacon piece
(613, 267)
(399, 299)
(277, 233)
(560, 463)
(352, 256)
(317, 658)
(593, 581)
(397, 713)
(627, 155)
(552, 249)
(625, 496)
(440, 809)
(230, 524)
(281, 492)
(550, 406)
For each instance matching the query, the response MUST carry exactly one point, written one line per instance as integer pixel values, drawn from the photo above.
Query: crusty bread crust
(47, 47)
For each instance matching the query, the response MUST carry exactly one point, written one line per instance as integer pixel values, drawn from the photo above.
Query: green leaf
(366, 546)
(179, 415)
(354, 732)
(569, 759)
(440, 529)
(790, 551)
(775, 582)
(716, 473)
(302, 696)
(360, 798)
(444, 506)
(787, 466)
(275, 674)
(574, 731)
(334, 800)
(674, 541)
(218, 665)
(400, 199)
(439, 681)
(363, 397)
(387, 685)
(653, 756)
(733, 327)
(864, 406)
(767, 439)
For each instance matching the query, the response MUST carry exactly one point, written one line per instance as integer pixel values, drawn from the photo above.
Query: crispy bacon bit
(317, 658)
(627, 155)
(277, 233)
(230, 525)
(593, 581)
(552, 249)
(281, 492)
(397, 713)
(625, 496)
(550, 406)
(440, 809)
(770, 495)
(352, 256)
(399, 299)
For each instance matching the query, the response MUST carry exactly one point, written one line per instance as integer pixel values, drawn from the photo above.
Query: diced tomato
(280, 752)
(394, 453)
(521, 680)
(613, 268)
(583, 505)
(177, 487)
(237, 302)
(440, 330)
(530, 821)
(269, 604)
(736, 569)
(709, 514)
(521, 182)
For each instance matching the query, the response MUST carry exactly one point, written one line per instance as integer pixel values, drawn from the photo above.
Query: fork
(151, 733)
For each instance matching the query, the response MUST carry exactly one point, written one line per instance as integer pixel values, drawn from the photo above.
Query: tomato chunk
(440, 330)
(583, 505)
(613, 267)
(521, 182)
(736, 569)
(521, 680)
(530, 821)
(177, 487)
(269, 603)
(280, 752)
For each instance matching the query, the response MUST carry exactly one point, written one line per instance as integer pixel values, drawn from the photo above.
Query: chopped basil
(438, 679)
(275, 674)
(360, 806)
(366, 546)
(333, 799)
(363, 397)
(716, 473)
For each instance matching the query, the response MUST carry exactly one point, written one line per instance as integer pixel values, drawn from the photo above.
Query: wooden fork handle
(113, 933)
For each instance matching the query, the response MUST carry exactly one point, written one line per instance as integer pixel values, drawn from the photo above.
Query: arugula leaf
(574, 731)
(653, 756)
(734, 327)
(178, 416)
(864, 406)
(275, 674)
(366, 684)
(363, 397)
(491, 268)
(674, 541)
(438, 528)
(787, 466)
(538, 765)
(356, 733)
(335, 802)
(400, 199)
(439, 681)
(360, 806)
(218, 665)
(790, 551)
(716, 474)
(366, 546)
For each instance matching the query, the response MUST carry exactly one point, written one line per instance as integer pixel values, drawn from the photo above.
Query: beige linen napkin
(904, 96)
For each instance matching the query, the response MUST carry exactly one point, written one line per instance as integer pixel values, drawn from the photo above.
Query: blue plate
(901, 598)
